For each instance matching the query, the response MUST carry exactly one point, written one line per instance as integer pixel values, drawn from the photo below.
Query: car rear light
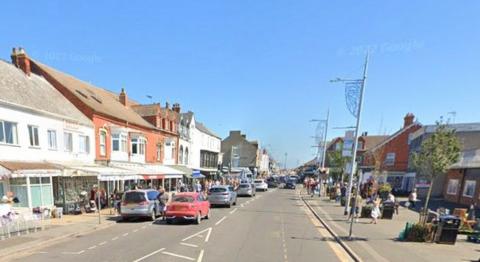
(143, 203)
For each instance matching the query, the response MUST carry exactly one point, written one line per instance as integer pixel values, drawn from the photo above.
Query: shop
(31, 183)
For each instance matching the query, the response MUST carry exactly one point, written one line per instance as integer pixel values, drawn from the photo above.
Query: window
(452, 187)
(164, 124)
(173, 153)
(180, 155)
(469, 188)
(84, 144)
(119, 143)
(67, 141)
(159, 152)
(103, 142)
(41, 191)
(390, 159)
(138, 146)
(171, 126)
(33, 135)
(8, 132)
(186, 156)
(52, 139)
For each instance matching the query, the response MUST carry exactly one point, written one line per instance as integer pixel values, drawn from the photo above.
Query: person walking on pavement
(412, 198)
(375, 212)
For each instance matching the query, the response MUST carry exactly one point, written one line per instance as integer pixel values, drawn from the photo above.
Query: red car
(188, 206)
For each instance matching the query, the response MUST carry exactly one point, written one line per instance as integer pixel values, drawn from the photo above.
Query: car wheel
(235, 203)
(198, 219)
(169, 221)
(229, 205)
(153, 215)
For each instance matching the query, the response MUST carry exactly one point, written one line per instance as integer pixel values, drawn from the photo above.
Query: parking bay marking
(149, 255)
(220, 221)
(74, 253)
(233, 211)
(188, 245)
(179, 256)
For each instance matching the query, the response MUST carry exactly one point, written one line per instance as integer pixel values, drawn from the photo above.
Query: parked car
(290, 185)
(260, 184)
(222, 195)
(140, 203)
(272, 183)
(191, 206)
(246, 189)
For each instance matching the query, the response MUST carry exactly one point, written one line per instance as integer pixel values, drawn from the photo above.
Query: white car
(260, 184)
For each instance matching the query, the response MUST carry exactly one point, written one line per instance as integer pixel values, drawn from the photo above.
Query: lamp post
(321, 138)
(354, 99)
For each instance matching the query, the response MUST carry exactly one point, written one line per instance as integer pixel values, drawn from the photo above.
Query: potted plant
(384, 190)
(419, 233)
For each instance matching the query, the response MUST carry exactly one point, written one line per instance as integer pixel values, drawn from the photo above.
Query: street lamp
(354, 91)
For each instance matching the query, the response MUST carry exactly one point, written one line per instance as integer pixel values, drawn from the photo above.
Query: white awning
(150, 171)
(103, 173)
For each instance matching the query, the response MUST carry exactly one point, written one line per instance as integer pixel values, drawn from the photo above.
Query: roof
(16, 165)
(372, 141)
(205, 130)
(146, 110)
(186, 118)
(100, 100)
(35, 93)
(390, 138)
(468, 159)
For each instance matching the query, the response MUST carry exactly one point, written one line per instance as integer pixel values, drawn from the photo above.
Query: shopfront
(30, 183)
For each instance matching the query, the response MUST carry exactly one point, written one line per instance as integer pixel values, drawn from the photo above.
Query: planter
(366, 211)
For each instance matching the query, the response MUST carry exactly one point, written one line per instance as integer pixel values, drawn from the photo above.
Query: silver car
(246, 189)
(140, 203)
(222, 195)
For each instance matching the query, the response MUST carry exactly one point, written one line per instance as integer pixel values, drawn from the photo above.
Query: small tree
(336, 160)
(437, 153)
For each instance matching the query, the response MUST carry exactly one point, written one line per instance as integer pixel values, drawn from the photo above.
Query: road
(273, 226)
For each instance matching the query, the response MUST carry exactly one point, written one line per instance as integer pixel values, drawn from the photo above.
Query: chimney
(176, 107)
(408, 120)
(21, 60)
(123, 97)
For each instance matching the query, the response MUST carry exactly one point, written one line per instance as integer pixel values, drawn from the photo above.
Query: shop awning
(184, 169)
(196, 174)
(149, 171)
(14, 169)
(103, 173)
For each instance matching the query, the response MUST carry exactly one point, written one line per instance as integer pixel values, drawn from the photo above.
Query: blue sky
(264, 66)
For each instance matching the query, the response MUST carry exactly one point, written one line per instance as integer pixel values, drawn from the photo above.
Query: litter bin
(447, 230)
(387, 210)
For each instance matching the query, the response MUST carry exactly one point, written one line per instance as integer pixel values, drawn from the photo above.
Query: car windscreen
(244, 185)
(134, 197)
(183, 199)
(218, 190)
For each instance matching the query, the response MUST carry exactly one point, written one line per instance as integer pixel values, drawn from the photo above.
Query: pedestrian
(338, 193)
(412, 198)
(375, 212)
(198, 187)
(162, 202)
(313, 185)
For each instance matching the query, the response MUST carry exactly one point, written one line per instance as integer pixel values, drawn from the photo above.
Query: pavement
(272, 226)
(378, 242)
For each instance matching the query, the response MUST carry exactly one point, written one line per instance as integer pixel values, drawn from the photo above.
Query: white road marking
(220, 221)
(103, 243)
(242, 205)
(149, 255)
(233, 211)
(208, 234)
(126, 234)
(198, 233)
(74, 253)
(188, 245)
(135, 231)
(144, 227)
(179, 256)
(92, 247)
(200, 257)
(115, 238)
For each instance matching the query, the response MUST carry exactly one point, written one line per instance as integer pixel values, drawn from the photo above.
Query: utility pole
(357, 104)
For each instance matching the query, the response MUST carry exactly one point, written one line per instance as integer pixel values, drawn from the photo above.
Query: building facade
(238, 152)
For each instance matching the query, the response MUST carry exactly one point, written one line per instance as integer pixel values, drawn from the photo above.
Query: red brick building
(391, 156)
(123, 138)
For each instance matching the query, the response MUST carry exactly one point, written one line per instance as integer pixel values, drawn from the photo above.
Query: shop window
(452, 187)
(186, 156)
(68, 141)
(469, 188)
(8, 133)
(41, 191)
(33, 135)
(19, 188)
(52, 139)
